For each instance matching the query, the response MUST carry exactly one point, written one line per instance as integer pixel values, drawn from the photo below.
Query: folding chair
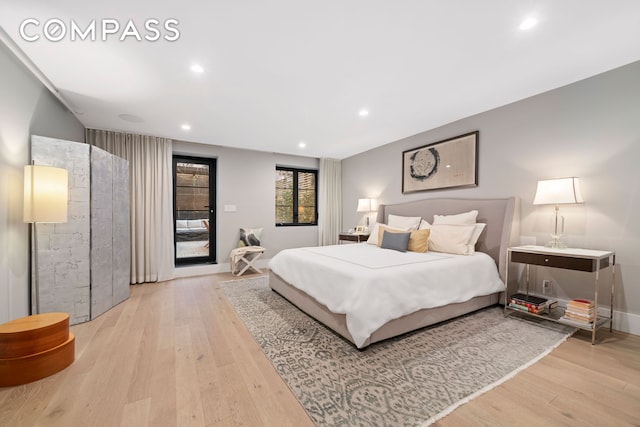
(247, 255)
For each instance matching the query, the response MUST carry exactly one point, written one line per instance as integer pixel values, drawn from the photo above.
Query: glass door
(194, 209)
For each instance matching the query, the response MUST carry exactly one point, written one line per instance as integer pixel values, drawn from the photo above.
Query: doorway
(194, 180)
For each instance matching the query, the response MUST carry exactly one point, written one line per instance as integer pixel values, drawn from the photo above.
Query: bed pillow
(424, 225)
(471, 244)
(466, 218)
(404, 222)
(249, 237)
(477, 231)
(181, 223)
(194, 223)
(396, 241)
(451, 238)
(418, 240)
(376, 235)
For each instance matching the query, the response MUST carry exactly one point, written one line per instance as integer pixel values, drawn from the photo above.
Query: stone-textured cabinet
(84, 264)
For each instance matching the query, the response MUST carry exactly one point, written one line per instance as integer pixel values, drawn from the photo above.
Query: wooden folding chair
(246, 255)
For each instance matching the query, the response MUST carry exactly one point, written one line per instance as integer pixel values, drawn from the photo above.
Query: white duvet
(372, 286)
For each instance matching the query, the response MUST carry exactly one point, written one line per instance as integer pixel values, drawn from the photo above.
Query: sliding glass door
(194, 209)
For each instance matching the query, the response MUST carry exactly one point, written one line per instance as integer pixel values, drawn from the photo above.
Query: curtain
(329, 201)
(151, 196)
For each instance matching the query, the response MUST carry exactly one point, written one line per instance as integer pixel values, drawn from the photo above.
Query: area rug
(412, 380)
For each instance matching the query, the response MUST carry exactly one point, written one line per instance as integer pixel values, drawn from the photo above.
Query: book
(580, 303)
(527, 309)
(572, 322)
(529, 299)
(532, 303)
(590, 312)
(552, 303)
(586, 319)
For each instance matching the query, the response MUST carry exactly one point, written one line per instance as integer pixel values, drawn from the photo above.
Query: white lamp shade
(46, 193)
(558, 191)
(367, 205)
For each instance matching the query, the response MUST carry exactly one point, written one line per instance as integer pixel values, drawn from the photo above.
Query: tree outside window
(296, 196)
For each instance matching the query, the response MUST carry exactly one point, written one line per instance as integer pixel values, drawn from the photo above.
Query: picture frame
(449, 163)
(360, 229)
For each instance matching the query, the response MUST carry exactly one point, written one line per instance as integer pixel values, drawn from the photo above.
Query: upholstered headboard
(501, 216)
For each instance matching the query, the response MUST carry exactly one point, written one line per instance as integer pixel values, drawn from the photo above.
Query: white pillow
(424, 225)
(181, 223)
(408, 223)
(451, 238)
(477, 231)
(467, 218)
(195, 223)
(373, 237)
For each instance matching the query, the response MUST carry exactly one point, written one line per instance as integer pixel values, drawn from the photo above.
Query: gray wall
(589, 129)
(246, 179)
(26, 107)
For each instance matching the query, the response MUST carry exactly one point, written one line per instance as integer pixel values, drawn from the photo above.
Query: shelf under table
(555, 314)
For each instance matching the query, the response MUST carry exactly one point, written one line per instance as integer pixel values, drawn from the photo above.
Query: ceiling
(281, 72)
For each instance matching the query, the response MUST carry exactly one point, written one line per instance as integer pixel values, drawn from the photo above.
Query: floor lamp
(46, 193)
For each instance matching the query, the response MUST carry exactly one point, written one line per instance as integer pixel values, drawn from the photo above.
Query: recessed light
(302, 144)
(186, 127)
(130, 118)
(528, 24)
(197, 68)
(363, 113)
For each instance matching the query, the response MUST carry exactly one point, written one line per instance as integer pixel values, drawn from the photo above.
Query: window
(296, 196)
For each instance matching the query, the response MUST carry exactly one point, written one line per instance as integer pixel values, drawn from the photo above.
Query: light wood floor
(176, 354)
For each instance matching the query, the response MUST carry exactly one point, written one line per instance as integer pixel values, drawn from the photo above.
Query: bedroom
(587, 129)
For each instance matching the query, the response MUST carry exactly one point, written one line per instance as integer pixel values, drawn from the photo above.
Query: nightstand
(587, 260)
(353, 237)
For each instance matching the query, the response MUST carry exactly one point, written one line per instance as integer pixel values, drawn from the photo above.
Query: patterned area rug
(412, 380)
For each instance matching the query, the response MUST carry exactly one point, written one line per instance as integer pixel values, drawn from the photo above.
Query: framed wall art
(443, 164)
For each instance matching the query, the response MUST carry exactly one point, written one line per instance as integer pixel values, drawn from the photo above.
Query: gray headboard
(501, 216)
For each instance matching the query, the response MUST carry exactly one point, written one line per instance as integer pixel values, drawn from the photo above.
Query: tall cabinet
(84, 264)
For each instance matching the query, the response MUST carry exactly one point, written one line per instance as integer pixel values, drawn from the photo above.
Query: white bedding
(372, 286)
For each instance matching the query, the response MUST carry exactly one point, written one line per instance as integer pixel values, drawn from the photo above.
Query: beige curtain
(150, 178)
(329, 201)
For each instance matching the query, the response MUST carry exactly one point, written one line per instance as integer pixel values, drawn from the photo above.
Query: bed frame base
(402, 325)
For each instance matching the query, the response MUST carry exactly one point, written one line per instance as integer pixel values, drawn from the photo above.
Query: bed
(192, 230)
(351, 273)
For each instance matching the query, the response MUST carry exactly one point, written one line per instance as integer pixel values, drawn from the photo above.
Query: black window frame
(296, 171)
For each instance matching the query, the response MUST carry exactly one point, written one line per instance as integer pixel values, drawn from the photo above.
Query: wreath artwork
(424, 163)
(444, 164)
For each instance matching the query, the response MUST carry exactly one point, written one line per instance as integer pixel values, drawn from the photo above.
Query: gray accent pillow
(395, 241)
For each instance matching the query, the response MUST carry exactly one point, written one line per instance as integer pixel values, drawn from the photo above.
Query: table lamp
(367, 205)
(557, 192)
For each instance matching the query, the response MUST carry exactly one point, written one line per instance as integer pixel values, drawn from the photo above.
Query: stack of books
(529, 303)
(581, 311)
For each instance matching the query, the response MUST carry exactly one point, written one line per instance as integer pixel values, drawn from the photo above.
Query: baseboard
(205, 269)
